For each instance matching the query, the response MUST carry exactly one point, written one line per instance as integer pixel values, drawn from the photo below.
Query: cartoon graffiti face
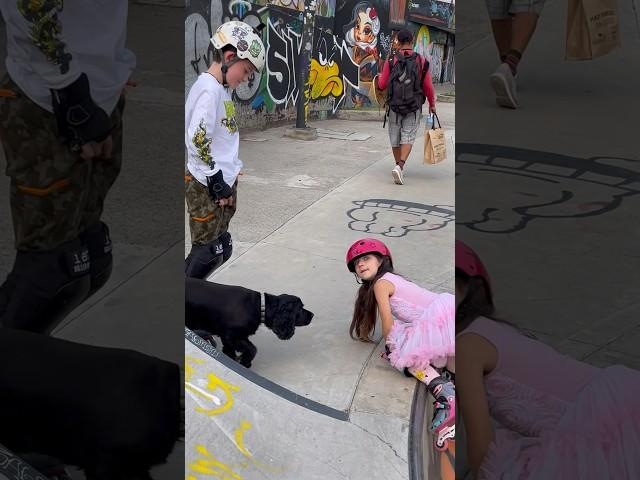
(541, 186)
(255, 48)
(363, 31)
(324, 78)
(364, 28)
(394, 218)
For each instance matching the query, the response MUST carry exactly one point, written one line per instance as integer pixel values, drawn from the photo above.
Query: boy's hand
(225, 202)
(219, 191)
(84, 125)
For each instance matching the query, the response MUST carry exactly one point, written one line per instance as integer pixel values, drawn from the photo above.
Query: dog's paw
(244, 363)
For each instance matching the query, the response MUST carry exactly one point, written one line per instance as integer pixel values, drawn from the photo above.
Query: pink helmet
(364, 246)
(469, 262)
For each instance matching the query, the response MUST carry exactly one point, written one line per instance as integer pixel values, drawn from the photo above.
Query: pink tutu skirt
(597, 439)
(422, 335)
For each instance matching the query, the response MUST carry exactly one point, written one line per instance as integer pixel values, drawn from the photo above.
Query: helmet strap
(225, 67)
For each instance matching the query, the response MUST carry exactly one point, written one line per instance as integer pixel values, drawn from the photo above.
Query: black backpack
(405, 84)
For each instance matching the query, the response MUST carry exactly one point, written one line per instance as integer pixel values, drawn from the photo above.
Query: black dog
(114, 413)
(234, 314)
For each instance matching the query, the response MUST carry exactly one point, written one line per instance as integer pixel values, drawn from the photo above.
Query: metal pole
(305, 61)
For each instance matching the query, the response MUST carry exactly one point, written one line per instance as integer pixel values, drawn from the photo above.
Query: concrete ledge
(361, 115)
(301, 133)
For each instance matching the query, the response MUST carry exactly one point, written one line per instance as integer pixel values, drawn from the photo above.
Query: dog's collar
(263, 317)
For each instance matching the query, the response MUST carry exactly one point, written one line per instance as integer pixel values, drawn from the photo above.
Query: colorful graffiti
(332, 69)
(326, 8)
(275, 91)
(438, 13)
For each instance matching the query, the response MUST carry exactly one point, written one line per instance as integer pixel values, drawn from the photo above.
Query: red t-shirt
(427, 85)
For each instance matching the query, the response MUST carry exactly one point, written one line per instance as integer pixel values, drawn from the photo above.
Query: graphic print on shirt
(203, 144)
(46, 29)
(230, 117)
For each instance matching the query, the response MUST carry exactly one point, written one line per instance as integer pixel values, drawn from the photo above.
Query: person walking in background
(406, 76)
(513, 23)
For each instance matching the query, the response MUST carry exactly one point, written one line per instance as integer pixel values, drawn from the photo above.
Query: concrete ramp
(240, 425)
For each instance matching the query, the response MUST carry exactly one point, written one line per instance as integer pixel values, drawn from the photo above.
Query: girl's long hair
(477, 303)
(366, 308)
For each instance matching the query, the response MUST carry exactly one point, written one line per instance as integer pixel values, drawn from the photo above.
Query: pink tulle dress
(558, 417)
(423, 329)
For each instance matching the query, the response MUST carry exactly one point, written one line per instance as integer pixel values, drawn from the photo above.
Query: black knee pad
(204, 259)
(227, 246)
(99, 243)
(44, 287)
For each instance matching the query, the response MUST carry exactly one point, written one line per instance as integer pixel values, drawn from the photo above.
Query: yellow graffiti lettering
(211, 466)
(189, 368)
(214, 384)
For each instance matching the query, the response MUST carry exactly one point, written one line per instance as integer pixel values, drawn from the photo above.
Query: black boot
(98, 242)
(44, 287)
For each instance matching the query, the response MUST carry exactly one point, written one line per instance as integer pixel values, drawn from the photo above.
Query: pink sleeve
(383, 80)
(427, 87)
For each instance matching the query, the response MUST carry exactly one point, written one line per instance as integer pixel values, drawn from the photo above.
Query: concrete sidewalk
(300, 205)
(567, 167)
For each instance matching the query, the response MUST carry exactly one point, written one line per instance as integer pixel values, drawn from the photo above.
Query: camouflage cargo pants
(55, 194)
(207, 221)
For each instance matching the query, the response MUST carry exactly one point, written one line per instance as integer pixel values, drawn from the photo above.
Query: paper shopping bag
(435, 150)
(592, 29)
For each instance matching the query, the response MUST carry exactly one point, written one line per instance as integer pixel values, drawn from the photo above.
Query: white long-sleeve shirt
(211, 131)
(89, 37)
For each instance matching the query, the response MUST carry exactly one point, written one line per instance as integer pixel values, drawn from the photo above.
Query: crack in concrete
(384, 442)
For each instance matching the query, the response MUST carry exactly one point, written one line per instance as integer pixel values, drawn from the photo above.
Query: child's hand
(224, 202)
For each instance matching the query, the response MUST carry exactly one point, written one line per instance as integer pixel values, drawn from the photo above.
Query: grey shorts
(402, 131)
(499, 9)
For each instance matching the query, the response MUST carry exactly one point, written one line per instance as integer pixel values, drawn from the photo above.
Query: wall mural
(344, 59)
(273, 93)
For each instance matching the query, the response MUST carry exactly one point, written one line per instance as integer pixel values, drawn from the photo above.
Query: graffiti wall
(351, 41)
(369, 28)
(364, 26)
(272, 95)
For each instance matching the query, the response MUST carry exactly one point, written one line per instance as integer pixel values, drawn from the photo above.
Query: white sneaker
(504, 84)
(397, 175)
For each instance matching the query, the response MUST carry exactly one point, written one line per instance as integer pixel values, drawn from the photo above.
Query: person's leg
(523, 27)
(408, 132)
(49, 186)
(443, 392)
(405, 151)
(395, 137)
(396, 154)
(210, 241)
(501, 28)
(95, 233)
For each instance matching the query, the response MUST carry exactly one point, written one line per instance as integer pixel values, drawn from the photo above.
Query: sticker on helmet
(222, 38)
(243, 46)
(255, 48)
(239, 32)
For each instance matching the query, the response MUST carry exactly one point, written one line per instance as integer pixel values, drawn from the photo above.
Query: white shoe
(397, 175)
(504, 84)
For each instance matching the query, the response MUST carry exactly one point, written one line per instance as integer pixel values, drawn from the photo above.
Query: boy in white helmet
(212, 141)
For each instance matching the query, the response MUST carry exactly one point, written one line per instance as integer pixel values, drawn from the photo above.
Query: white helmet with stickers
(244, 39)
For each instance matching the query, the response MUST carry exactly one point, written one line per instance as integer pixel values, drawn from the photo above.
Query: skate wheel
(443, 447)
